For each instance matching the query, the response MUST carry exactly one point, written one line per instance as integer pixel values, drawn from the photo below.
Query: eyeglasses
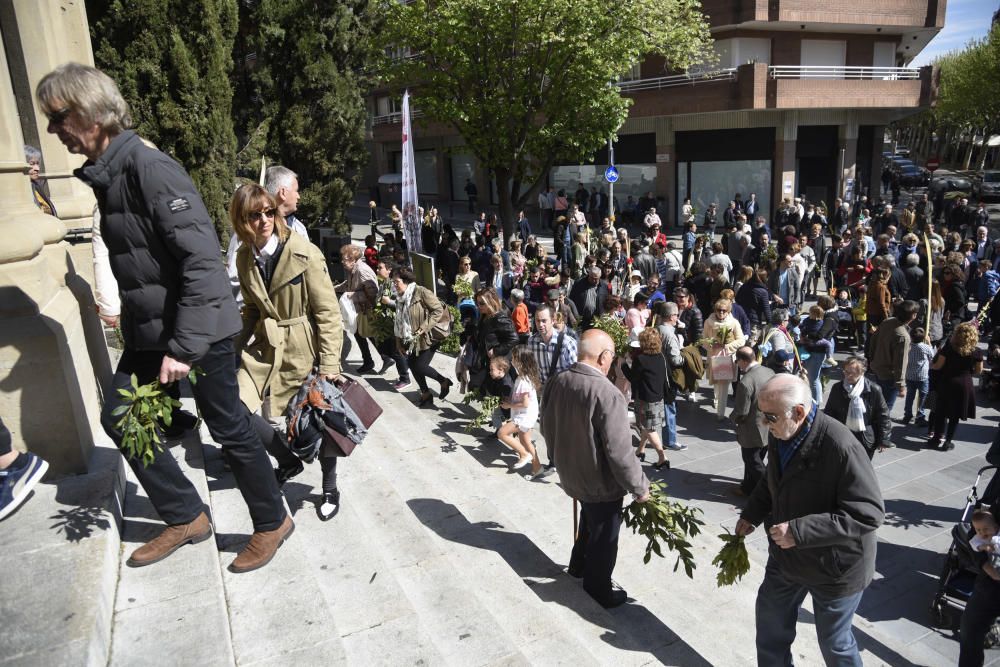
(721, 311)
(257, 216)
(770, 417)
(57, 117)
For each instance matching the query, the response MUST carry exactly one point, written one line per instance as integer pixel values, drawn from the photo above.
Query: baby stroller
(958, 575)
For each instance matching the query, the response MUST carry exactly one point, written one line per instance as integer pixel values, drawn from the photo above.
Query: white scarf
(856, 411)
(402, 326)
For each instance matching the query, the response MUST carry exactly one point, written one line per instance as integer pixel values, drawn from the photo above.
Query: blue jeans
(912, 387)
(778, 602)
(669, 431)
(889, 392)
(814, 367)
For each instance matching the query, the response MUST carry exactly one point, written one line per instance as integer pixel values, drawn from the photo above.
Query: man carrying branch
(177, 308)
(585, 425)
(822, 504)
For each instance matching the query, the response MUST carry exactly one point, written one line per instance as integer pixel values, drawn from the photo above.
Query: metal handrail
(728, 74)
(842, 72)
(394, 117)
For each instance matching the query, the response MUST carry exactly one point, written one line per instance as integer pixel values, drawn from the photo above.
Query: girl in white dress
(523, 406)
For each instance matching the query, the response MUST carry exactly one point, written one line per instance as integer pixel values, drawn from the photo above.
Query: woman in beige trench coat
(291, 312)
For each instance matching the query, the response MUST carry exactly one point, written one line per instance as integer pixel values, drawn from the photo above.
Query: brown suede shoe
(170, 540)
(261, 548)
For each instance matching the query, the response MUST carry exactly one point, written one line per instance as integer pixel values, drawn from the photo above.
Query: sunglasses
(257, 216)
(57, 117)
(770, 418)
(721, 312)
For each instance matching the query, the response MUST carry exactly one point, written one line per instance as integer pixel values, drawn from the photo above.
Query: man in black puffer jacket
(178, 311)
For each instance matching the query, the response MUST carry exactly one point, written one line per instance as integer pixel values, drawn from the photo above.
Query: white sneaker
(521, 463)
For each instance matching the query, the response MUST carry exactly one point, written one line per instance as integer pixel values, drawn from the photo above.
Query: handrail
(728, 74)
(394, 117)
(842, 72)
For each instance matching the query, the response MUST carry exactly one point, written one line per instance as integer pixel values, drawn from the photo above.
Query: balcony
(896, 13)
(759, 86)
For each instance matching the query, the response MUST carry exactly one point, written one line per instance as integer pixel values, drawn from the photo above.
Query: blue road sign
(611, 174)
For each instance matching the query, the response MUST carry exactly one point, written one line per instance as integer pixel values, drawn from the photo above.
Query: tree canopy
(307, 104)
(172, 60)
(969, 94)
(529, 83)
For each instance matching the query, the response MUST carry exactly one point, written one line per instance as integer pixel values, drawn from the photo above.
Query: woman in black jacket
(495, 335)
(860, 407)
(648, 374)
(755, 299)
(699, 284)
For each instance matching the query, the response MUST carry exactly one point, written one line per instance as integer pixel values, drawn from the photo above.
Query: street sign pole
(611, 185)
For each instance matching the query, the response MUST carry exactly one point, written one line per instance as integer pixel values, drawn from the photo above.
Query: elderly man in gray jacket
(751, 434)
(585, 424)
(822, 504)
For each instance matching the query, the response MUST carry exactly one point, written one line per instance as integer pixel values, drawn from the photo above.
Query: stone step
(487, 510)
(60, 553)
(177, 605)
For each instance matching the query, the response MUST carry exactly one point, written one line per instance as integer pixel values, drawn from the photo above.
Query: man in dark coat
(588, 295)
(751, 434)
(822, 503)
(179, 310)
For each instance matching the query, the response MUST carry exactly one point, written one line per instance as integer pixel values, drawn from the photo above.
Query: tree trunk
(506, 204)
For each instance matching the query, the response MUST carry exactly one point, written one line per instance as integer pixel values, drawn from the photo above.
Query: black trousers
(228, 420)
(753, 467)
(366, 354)
(596, 548)
(5, 439)
(980, 612)
(388, 348)
(420, 366)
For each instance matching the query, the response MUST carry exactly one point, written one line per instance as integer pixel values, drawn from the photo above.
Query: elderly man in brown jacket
(586, 427)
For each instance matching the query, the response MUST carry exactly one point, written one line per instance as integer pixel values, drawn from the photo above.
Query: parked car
(949, 184)
(986, 185)
(912, 176)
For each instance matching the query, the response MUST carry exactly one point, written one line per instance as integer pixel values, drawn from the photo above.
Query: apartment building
(796, 103)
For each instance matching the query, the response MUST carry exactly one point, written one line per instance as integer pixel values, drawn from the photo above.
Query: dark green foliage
(172, 60)
(309, 79)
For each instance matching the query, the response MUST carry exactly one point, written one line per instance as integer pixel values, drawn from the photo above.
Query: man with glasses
(584, 420)
(822, 503)
(179, 314)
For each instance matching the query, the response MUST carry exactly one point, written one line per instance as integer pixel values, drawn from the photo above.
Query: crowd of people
(539, 329)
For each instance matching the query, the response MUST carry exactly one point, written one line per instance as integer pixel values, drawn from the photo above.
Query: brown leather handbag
(364, 407)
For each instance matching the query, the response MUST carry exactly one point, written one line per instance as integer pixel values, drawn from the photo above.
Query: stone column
(875, 160)
(786, 135)
(848, 142)
(48, 391)
(47, 33)
(666, 174)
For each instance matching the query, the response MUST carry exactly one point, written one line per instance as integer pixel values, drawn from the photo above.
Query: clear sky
(964, 20)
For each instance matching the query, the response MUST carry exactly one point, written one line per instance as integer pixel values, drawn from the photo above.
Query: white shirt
(234, 244)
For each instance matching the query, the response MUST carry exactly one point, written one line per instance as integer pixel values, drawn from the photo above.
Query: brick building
(797, 103)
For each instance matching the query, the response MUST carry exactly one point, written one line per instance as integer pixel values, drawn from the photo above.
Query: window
(825, 56)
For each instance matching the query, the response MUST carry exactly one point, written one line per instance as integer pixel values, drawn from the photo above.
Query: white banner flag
(411, 212)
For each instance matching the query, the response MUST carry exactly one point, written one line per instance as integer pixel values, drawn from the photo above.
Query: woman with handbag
(361, 287)
(421, 325)
(291, 310)
(722, 337)
(857, 402)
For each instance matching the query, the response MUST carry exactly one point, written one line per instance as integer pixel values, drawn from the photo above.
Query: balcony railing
(838, 72)
(657, 83)
(395, 117)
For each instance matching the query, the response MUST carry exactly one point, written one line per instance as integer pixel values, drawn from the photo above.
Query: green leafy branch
(732, 560)
(146, 410)
(613, 327)
(661, 519)
(487, 405)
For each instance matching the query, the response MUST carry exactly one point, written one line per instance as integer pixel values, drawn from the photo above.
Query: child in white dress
(523, 406)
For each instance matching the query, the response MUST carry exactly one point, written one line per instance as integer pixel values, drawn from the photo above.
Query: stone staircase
(440, 555)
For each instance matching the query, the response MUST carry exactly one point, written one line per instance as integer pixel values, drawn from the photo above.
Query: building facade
(796, 103)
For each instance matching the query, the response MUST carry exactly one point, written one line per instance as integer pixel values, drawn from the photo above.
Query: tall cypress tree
(313, 66)
(172, 60)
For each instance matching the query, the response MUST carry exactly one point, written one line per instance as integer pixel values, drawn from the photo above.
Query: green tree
(313, 66)
(529, 83)
(172, 60)
(969, 94)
